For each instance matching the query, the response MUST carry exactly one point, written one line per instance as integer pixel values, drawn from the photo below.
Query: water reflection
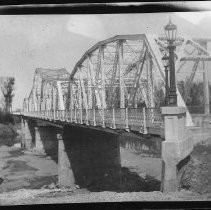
(142, 145)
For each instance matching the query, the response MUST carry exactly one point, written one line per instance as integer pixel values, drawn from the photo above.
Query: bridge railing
(137, 119)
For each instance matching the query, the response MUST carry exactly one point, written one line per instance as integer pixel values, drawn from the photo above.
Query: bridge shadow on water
(96, 162)
(128, 182)
(49, 142)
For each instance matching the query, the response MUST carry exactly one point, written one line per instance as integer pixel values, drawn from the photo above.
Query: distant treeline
(194, 95)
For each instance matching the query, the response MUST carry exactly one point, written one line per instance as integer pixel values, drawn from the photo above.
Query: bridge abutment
(177, 146)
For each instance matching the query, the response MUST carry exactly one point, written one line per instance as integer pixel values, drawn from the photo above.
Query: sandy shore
(25, 169)
(24, 173)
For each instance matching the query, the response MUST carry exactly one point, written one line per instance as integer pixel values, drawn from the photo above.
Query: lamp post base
(172, 100)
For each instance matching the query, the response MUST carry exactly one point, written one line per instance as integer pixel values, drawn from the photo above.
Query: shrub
(6, 118)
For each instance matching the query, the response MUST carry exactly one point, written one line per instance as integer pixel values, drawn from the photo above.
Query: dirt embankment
(34, 168)
(24, 173)
(25, 169)
(196, 177)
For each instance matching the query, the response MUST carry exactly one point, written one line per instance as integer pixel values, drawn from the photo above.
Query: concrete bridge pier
(22, 132)
(38, 139)
(27, 133)
(89, 157)
(65, 173)
(177, 146)
(46, 140)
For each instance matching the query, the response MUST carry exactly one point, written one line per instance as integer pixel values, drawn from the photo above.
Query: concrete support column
(38, 140)
(65, 173)
(22, 133)
(177, 145)
(27, 141)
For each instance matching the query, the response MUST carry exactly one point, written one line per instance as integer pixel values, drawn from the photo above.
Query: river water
(32, 169)
(20, 168)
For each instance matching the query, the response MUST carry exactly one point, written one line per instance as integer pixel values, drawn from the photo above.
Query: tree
(159, 94)
(195, 95)
(7, 88)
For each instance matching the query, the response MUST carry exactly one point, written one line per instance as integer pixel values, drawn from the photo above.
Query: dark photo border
(36, 7)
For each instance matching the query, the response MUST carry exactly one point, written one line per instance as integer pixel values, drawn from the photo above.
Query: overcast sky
(55, 41)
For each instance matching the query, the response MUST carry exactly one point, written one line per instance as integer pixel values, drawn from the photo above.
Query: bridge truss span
(119, 82)
(49, 90)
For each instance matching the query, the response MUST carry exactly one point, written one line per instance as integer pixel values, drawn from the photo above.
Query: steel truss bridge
(117, 83)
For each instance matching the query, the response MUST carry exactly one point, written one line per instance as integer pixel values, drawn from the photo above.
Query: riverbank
(30, 177)
(9, 134)
(25, 169)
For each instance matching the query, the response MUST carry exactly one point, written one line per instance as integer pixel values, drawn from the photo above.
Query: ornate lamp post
(171, 31)
(165, 60)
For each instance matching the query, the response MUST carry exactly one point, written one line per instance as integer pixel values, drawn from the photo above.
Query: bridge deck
(145, 120)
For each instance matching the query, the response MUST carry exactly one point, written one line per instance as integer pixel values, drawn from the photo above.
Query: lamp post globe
(171, 31)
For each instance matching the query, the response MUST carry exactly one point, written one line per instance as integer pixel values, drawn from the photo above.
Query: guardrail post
(50, 115)
(63, 115)
(81, 116)
(67, 116)
(71, 114)
(75, 115)
(94, 120)
(103, 118)
(54, 114)
(144, 121)
(113, 118)
(126, 120)
(57, 114)
(60, 115)
(87, 117)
